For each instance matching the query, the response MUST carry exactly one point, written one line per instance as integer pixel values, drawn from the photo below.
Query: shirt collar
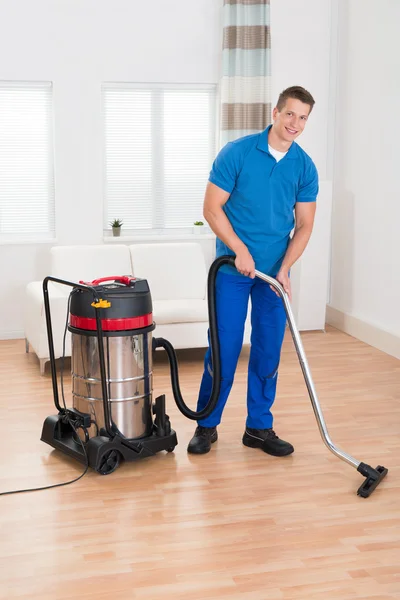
(262, 144)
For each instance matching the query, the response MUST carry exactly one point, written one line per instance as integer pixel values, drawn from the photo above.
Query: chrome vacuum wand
(373, 476)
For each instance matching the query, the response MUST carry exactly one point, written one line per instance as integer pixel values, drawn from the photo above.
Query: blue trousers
(268, 320)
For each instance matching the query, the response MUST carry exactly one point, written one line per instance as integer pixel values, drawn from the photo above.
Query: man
(260, 187)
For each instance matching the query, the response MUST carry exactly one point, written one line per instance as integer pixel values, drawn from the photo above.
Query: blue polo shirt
(263, 194)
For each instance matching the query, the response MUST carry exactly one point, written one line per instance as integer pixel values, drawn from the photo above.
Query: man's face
(291, 120)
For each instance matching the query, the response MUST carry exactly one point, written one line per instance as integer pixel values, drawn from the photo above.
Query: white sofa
(177, 276)
(176, 272)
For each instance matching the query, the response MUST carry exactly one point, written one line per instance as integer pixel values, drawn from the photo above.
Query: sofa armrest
(35, 319)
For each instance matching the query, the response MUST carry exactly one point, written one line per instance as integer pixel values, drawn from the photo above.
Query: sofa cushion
(180, 311)
(86, 263)
(175, 271)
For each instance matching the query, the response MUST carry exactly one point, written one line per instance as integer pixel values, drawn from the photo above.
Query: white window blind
(26, 162)
(159, 148)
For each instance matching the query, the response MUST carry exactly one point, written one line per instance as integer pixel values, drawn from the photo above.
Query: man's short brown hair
(298, 93)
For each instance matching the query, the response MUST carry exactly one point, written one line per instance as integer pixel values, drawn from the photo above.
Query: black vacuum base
(103, 453)
(373, 479)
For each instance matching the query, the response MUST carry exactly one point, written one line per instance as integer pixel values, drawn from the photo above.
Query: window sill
(28, 242)
(171, 237)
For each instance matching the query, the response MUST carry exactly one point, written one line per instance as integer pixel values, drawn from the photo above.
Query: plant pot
(116, 231)
(198, 229)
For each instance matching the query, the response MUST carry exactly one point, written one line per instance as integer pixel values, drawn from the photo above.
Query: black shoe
(267, 440)
(202, 440)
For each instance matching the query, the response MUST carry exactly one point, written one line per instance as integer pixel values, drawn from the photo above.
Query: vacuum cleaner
(113, 416)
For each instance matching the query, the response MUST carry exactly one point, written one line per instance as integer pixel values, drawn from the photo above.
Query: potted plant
(198, 227)
(116, 225)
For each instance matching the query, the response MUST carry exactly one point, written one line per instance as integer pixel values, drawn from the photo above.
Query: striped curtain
(246, 68)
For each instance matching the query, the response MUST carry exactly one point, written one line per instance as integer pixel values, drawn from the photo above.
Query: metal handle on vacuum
(306, 371)
(84, 288)
(373, 476)
(126, 279)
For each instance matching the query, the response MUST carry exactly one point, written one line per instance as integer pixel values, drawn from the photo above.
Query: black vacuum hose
(214, 345)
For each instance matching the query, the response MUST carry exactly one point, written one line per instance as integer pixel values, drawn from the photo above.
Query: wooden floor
(235, 524)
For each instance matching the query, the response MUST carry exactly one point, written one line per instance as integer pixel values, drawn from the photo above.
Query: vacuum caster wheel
(171, 449)
(109, 462)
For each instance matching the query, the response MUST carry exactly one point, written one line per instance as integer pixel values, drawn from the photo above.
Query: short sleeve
(308, 190)
(226, 167)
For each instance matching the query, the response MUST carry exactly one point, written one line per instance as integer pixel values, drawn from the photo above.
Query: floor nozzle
(373, 479)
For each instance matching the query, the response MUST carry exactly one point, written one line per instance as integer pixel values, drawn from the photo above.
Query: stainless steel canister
(128, 363)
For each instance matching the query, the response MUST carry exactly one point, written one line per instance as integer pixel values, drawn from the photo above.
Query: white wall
(365, 286)
(77, 44)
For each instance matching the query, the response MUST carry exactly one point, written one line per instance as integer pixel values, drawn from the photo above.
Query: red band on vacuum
(112, 324)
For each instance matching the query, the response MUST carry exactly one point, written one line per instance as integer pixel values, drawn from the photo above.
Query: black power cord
(54, 485)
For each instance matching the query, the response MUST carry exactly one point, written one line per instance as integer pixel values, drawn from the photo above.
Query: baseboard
(370, 334)
(11, 335)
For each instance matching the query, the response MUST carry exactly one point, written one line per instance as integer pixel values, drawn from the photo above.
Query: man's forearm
(296, 247)
(219, 223)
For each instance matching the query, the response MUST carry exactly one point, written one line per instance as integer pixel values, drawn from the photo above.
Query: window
(26, 162)
(159, 148)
